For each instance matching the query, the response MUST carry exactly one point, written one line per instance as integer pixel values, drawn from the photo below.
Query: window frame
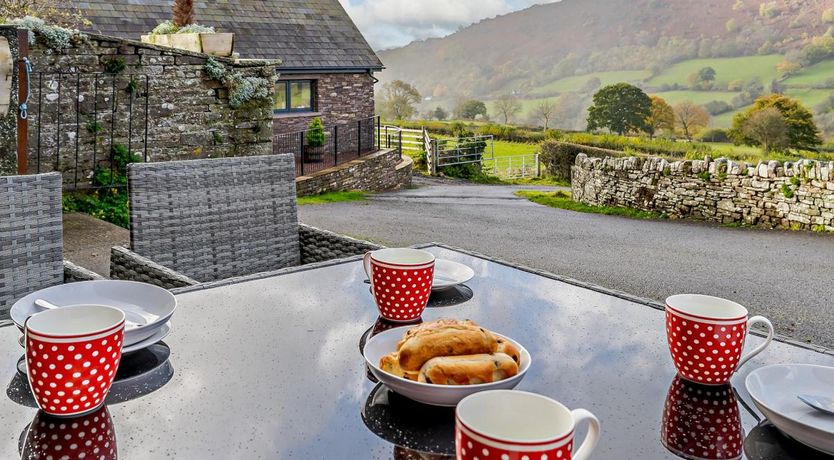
(288, 99)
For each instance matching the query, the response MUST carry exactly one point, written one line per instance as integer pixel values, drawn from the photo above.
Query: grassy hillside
(698, 97)
(816, 74)
(575, 84)
(726, 70)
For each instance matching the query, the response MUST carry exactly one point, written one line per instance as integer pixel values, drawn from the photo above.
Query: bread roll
(390, 363)
(433, 325)
(449, 340)
(468, 369)
(504, 346)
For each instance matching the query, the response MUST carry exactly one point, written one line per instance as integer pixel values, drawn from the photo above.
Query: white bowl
(427, 393)
(146, 307)
(774, 389)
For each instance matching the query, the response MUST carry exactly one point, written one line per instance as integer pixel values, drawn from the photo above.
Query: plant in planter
(314, 150)
(181, 32)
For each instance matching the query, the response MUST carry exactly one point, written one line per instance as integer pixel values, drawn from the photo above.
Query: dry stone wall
(791, 195)
(76, 96)
(383, 170)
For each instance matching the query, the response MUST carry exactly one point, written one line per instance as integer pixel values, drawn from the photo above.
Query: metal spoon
(820, 403)
(45, 304)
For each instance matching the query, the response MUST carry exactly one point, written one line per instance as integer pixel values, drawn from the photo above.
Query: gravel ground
(785, 276)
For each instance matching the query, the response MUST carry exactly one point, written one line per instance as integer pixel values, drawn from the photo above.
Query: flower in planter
(315, 134)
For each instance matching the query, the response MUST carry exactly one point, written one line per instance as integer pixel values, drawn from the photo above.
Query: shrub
(558, 157)
(315, 134)
(828, 16)
(168, 28)
(242, 89)
(714, 135)
(54, 37)
(718, 107)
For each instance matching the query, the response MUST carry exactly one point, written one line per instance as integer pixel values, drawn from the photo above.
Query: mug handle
(757, 350)
(583, 452)
(366, 263)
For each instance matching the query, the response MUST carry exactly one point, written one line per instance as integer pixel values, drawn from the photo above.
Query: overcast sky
(392, 23)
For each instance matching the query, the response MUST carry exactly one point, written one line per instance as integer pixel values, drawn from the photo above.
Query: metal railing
(77, 119)
(342, 143)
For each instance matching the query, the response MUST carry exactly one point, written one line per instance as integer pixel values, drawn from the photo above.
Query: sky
(393, 23)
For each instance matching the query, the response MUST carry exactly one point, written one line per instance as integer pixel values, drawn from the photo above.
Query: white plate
(427, 393)
(448, 273)
(157, 337)
(774, 389)
(147, 307)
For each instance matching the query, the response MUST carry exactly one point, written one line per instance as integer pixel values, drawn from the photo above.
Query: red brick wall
(340, 97)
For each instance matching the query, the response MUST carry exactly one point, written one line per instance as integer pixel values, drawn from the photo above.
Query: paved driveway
(786, 276)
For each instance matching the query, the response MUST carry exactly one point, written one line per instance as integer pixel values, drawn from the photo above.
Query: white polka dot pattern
(401, 294)
(702, 421)
(704, 352)
(468, 448)
(72, 377)
(90, 436)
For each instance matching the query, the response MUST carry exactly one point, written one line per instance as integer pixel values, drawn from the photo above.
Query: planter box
(188, 42)
(218, 44)
(314, 154)
(159, 40)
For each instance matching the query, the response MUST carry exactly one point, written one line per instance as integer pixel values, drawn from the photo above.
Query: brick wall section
(341, 97)
(188, 112)
(384, 170)
(788, 195)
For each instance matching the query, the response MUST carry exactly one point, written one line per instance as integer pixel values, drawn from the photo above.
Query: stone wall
(9, 104)
(188, 113)
(383, 170)
(340, 98)
(788, 195)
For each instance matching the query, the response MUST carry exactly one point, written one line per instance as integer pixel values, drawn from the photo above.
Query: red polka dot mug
(72, 354)
(517, 425)
(702, 422)
(706, 336)
(400, 281)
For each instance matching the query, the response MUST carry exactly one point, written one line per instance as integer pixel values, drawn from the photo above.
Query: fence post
(400, 147)
(301, 149)
(387, 138)
(358, 138)
(335, 145)
(23, 96)
(378, 131)
(538, 166)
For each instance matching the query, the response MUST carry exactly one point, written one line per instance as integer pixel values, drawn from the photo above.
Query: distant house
(327, 66)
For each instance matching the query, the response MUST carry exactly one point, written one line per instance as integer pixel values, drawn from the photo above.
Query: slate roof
(303, 34)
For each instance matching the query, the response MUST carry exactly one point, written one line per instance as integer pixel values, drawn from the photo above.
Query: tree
(702, 79)
(469, 109)
(508, 106)
(54, 12)
(768, 128)
(398, 99)
(802, 131)
(440, 114)
(707, 74)
(661, 117)
(787, 67)
(690, 118)
(621, 108)
(183, 12)
(543, 112)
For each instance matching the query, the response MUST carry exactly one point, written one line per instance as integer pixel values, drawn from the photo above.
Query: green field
(725, 120)
(726, 69)
(574, 84)
(814, 75)
(809, 97)
(698, 97)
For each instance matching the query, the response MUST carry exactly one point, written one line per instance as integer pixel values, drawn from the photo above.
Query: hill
(573, 46)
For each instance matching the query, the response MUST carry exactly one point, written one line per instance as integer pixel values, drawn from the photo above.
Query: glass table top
(271, 368)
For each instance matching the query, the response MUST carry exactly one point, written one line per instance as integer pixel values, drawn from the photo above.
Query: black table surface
(270, 368)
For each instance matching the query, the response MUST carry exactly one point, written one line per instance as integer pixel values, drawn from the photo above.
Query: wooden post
(22, 95)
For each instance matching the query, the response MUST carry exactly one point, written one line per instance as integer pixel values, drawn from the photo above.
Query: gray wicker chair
(31, 237)
(205, 220)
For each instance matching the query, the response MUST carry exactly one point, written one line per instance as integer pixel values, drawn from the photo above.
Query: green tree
(621, 108)
(508, 106)
(469, 109)
(662, 116)
(802, 131)
(768, 128)
(707, 74)
(440, 114)
(398, 100)
(315, 133)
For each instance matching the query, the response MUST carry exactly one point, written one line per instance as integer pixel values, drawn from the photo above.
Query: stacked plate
(148, 308)
(774, 389)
